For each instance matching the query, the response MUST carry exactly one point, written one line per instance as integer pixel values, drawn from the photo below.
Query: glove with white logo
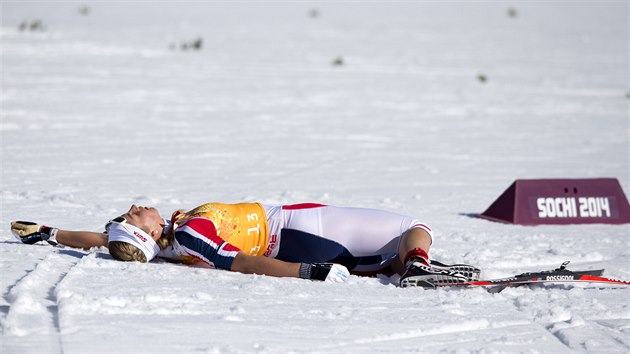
(328, 272)
(30, 232)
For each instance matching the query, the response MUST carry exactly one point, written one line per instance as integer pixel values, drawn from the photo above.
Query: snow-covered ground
(104, 109)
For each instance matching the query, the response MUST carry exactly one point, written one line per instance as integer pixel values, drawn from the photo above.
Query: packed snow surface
(424, 108)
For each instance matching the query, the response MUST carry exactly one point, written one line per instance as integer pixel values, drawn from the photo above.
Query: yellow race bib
(243, 225)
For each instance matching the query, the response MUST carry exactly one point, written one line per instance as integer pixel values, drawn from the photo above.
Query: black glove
(30, 232)
(328, 272)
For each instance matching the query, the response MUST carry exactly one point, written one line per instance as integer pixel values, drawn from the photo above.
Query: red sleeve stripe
(198, 238)
(227, 250)
(302, 206)
(212, 241)
(204, 229)
(423, 226)
(206, 250)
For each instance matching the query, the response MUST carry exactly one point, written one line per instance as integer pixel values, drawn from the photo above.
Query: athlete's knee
(418, 235)
(420, 232)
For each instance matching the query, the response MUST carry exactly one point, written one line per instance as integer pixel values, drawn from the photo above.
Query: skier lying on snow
(311, 241)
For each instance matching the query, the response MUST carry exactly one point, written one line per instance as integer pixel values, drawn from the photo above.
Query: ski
(558, 275)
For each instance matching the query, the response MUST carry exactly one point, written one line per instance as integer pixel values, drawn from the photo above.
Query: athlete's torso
(243, 225)
(212, 234)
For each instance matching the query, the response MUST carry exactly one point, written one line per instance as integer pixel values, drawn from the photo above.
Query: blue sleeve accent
(205, 250)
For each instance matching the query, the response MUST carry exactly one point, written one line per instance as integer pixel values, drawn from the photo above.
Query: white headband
(134, 236)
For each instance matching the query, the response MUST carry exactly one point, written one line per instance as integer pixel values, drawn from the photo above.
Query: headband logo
(138, 235)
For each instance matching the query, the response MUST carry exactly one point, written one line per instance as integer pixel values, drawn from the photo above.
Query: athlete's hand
(328, 272)
(29, 232)
(337, 274)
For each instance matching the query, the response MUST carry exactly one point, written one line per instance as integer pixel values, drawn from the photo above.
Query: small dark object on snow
(194, 45)
(37, 25)
(482, 78)
(33, 26)
(84, 10)
(512, 12)
(338, 61)
(197, 43)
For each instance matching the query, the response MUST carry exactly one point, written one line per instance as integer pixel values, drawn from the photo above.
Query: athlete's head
(133, 235)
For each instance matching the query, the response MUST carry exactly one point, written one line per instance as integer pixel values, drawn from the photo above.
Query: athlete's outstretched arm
(332, 273)
(81, 239)
(30, 232)
(244, 263)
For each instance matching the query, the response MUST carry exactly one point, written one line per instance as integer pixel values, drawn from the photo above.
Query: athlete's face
(145, 218)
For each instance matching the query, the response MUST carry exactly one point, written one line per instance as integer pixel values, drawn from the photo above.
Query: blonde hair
(168, 237)
(126, 252)
(165, 240)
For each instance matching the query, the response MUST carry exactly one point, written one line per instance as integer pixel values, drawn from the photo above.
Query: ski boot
(420, 273)
(470, 272)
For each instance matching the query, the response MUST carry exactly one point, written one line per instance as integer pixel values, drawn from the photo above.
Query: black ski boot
(420, 273)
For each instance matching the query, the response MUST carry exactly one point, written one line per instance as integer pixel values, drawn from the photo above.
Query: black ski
(558, 275)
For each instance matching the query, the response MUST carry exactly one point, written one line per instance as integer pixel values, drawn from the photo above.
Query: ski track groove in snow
(33, 310)
(568, 326)
(617, 333)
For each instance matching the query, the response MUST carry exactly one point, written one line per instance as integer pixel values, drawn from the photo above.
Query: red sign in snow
(561, 201)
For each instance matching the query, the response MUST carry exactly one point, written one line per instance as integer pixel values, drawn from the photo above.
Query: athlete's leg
(412, 239)
(369, 237)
